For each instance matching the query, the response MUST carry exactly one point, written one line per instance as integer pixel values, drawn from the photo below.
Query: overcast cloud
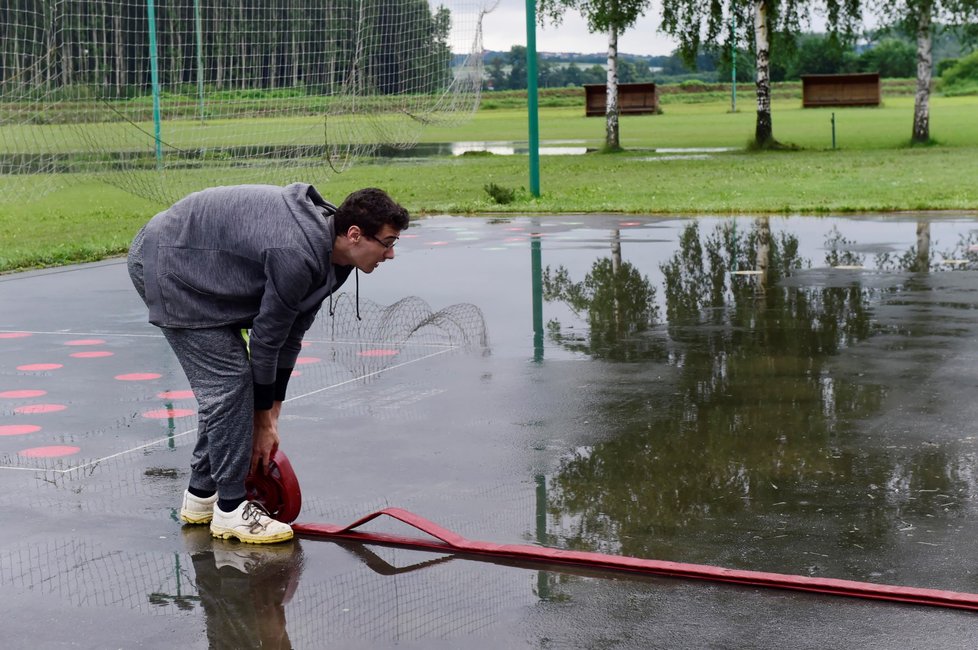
(505, 27)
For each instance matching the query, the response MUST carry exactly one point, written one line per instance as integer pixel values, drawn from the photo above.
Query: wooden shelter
(633, 99)
(852, 89)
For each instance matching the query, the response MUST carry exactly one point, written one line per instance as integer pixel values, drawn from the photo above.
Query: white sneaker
(196, 510)
(249, 523)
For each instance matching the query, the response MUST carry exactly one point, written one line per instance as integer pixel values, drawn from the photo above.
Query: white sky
(505, 27)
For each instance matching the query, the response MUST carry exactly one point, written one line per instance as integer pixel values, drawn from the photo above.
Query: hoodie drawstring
(357, 280)
(332, 310)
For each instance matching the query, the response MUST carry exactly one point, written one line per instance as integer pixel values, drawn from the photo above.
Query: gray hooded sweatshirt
(249, 256)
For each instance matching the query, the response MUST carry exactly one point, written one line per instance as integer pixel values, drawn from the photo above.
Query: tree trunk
(611, 142)
(220, 49)
(764, 130)
(106, 49)
(51, 63)
(64, 49)
(763, 261)
(922, 262)
(119, 74)
(615, 269)
(921, 104)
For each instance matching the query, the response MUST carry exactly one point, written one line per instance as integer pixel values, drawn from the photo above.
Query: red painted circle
(14, 335)
(163, 414)
(138, 376)
(304, 360)
(40, 408)
(35, 367)
(18, 394)
(439, 243)
(92, 354)
(296, 373)
(176, 394)
(85, 342)
(630, 223)
(18, 429)
(377, 353)
(53, 451)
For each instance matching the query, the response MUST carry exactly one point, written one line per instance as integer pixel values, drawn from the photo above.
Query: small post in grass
(833, 129)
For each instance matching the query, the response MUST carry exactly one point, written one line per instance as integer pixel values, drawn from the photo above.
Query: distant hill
(582, 59)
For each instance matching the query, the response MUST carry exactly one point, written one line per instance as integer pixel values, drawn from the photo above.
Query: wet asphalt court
(443, 401)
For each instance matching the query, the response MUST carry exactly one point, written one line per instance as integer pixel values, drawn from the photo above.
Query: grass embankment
(872, 169)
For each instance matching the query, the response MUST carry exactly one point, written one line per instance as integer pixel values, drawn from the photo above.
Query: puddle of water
(792, 389)
(777, 394)
(548, 148)
(501, 148)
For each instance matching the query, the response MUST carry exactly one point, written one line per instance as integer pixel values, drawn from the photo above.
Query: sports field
(871, 168)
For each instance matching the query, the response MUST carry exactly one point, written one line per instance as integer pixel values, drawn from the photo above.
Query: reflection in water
(759, 407)
(244, 589)
(619, 304)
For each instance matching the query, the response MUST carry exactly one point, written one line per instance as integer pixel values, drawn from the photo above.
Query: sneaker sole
(252, 539)
(189, 518)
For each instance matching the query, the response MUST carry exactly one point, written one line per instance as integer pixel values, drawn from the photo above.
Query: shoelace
(255, 512)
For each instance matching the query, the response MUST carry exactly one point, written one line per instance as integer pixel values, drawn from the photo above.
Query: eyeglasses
(387, 245)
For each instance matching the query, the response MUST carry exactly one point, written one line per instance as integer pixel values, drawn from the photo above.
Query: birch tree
(611, 17)
(920, 18)
(708, 22)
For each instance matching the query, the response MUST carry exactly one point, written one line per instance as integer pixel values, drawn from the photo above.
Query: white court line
(193, 430)
(369, 374)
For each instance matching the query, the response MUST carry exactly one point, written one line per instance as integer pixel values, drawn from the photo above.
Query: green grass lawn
(58, 219)
(954, 122)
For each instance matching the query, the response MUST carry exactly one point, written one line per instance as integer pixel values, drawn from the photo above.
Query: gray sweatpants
(216, 363)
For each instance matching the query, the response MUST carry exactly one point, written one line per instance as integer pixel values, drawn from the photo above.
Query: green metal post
(543, 583)
(155, 80)
(200, 58)
(536, 266)
(171, 427)
(531, 96)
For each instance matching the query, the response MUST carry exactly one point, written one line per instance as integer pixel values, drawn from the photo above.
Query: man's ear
(354, 233)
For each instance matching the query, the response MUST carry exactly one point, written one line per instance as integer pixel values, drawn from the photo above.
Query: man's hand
(265, 439)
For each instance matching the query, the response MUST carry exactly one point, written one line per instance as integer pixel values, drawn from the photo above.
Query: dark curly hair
(370, 209)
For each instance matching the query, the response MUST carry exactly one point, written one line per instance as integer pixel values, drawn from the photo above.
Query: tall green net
(163, 97)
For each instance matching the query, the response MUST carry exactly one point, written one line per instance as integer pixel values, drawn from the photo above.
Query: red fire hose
(279, 491)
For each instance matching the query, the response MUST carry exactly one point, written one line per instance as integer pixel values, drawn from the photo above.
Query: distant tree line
(885, 51)
(890, 55)
(507, 71)
(380, 46)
